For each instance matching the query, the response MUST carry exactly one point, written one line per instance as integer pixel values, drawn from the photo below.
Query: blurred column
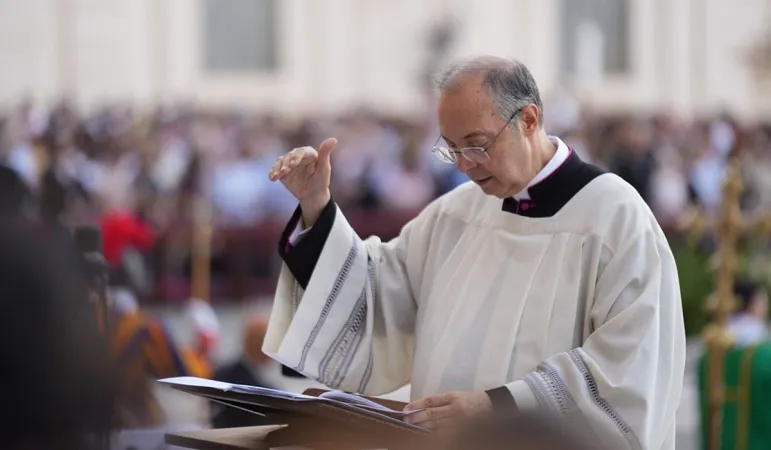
(760, 66)
(493, 27)
(699, 52)
(642, 76)
(67, 21)
(674, 70)
(664, 49)
(110, 56)
(299, 55)
(336, 64)
(185, 42)
(540, 40)
(589, 48)
(158, 48)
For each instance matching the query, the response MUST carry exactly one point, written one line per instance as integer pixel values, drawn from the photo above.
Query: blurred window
(595, 37)
(240, 35)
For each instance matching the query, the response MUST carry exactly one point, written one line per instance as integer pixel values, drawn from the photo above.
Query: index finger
(430, 402)
(428, 415)
(301, 155)
(274, 170)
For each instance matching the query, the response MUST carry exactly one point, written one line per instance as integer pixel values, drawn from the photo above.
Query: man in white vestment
(543, 283)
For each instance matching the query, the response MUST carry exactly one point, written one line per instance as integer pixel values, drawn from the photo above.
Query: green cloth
(746, 412)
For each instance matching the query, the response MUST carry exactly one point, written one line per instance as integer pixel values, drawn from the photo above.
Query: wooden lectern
(327, 428)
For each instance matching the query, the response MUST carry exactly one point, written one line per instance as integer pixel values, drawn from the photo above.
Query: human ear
(531, 118)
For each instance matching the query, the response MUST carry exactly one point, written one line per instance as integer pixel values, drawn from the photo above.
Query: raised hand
(307, 174)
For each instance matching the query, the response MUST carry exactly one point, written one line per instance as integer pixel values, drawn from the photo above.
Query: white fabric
(22, 159)
(579, 313)
(560, 156)
(203, 317)
(747, 329)
(298, 232)
(123, 300)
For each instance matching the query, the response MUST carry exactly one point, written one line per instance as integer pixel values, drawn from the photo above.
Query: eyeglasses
(477, 155)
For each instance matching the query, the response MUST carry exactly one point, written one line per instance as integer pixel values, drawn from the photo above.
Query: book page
(353, 399)
(361, 402)
(228, 387)
(337, 398)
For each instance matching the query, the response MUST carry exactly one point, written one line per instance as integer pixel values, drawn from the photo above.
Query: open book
(339, 398)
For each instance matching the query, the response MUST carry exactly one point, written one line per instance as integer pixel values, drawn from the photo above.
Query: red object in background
(120, 231)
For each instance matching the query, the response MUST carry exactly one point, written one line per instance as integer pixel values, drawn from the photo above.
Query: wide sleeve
(345, 308)
(625, 381)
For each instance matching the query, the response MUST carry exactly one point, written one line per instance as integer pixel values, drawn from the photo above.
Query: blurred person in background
(240, 196)
(16, 199)
(145, 351)
(756, 167)
(128, 236)
(245, 370)
(746, 370)
(706, 174)
(749, 322)
(366, 145)
(405, 183)
(633, 159)
(63, 200)
(56, 371)
(576, 139)
(20, 153)
(141, 342)
(668, 188)
(236, 188)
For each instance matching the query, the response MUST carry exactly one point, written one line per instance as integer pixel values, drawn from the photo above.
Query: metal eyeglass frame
(477, 155)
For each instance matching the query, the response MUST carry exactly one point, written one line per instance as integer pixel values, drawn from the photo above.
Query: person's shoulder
(460, 205)
(464, 191)
(612, 208)
(463, 202)
(614, 191)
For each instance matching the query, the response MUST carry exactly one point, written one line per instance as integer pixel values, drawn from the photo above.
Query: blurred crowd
(158, 165)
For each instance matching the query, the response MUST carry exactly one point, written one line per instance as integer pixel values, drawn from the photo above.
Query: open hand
(305, 171)
(442, 412)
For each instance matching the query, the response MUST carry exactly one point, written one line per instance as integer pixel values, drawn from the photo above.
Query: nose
(463, 164)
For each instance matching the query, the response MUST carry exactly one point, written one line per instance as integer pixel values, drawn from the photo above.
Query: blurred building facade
(293, 56)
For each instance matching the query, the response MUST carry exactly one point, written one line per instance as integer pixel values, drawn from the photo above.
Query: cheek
(494, 168)
(464, 165)
(502, 167)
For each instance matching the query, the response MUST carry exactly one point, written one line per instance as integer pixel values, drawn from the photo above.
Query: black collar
(555, 191)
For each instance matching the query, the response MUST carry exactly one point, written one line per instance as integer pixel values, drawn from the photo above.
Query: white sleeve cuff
(523, 395)
(298, 233)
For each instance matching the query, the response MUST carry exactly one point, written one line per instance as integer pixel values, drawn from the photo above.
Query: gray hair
(508, 81)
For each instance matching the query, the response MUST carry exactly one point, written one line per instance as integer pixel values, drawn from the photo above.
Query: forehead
(466, 109)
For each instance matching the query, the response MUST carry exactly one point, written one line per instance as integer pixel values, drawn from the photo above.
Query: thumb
(327, 147)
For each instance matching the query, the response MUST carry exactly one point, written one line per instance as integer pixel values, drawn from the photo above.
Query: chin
(496, 189)
(491, 187)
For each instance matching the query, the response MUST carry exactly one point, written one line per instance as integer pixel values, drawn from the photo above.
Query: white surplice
(578, 313)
